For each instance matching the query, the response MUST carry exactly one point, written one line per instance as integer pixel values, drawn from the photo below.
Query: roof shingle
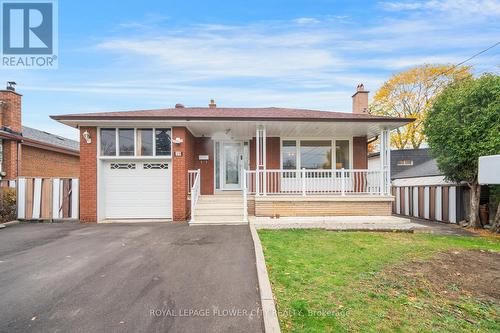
(51, 139)
(270, 113)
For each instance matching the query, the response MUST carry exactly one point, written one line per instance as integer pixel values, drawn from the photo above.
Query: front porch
(316, 176)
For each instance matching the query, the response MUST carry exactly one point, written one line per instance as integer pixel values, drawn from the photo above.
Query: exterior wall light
(178, 141)
(86, 136)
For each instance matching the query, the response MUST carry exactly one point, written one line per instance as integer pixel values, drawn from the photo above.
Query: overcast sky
(125, 55)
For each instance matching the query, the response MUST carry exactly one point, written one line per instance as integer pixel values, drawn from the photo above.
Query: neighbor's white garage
(137, 190)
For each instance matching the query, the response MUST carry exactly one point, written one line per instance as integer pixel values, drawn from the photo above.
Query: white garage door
(137, 190)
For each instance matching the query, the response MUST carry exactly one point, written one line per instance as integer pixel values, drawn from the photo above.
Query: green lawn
(349, 282)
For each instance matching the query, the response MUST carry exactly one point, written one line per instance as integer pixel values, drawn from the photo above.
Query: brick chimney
(10, 109)
(212, 104)
(10, 122)
(360, 100)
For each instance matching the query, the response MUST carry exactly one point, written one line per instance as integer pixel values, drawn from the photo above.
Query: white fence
(304, 182)
(47, 198)
(431, 202)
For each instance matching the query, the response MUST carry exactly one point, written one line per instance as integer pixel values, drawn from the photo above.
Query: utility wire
(466, 60)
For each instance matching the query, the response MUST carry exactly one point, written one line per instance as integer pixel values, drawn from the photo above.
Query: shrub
(7, 204)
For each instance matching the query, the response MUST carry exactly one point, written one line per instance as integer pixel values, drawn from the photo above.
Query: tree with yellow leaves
(410, 94)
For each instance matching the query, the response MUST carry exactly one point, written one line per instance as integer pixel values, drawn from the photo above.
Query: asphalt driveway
(128, 278)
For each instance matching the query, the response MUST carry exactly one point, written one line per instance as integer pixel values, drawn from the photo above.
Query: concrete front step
(218, 218)
(219, 212)
(220, 200)
(219, 209)
(217, 205)
(202, 222)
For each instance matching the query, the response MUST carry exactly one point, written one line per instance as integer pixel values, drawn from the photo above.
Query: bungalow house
(29, 152)
(218, 165)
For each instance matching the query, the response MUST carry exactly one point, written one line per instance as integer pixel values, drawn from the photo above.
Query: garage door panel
(137, 192)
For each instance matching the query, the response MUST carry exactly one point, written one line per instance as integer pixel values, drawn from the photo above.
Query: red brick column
(183, 160)
(205, 146)
(88, 176)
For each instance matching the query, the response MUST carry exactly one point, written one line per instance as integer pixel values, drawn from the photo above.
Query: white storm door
(231, 165)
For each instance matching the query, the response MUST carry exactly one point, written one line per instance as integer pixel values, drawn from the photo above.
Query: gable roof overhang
(38, 144)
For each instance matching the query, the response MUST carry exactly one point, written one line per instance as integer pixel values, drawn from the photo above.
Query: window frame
(136, 149)
(297, 148)
(333, 147)
(118, 147)
(99, 141)
(154, 142)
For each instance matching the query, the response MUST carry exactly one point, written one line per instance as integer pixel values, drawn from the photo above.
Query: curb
(269, 314)
(6, 224)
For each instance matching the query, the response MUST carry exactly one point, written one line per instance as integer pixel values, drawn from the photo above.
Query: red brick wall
(10, 161)
(37, 162)
(181, 165)
(273, 153)
(205, 146)
(360, 152)
(88, 176)
(11, 111)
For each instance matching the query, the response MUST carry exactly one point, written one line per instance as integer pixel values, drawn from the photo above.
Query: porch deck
(294, 193)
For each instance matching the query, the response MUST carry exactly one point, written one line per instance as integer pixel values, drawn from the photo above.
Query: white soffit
(246, 129)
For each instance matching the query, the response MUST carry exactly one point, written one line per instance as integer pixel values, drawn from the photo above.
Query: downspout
(18, 158)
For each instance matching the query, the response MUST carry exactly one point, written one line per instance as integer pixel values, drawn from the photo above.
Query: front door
(231, 165)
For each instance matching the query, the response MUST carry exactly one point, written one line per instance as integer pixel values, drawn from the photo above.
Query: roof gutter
(87, 118)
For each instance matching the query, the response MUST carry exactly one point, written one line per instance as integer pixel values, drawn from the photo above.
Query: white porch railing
(191, 177)
(308, 182)
(194, 189)
(245, 196)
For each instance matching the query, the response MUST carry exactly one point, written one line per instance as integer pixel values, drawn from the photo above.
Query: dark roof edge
(48, 146)
(90, 117)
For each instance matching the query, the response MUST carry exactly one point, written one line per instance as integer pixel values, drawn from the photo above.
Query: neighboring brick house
(227, 163)
(29, 152)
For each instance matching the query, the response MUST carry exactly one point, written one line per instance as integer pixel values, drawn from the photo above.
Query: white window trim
(135, 156)
(333, 146)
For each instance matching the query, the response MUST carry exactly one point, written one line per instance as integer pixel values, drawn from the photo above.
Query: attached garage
(137, 189)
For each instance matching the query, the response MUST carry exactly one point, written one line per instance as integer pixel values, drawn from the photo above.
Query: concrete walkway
(340, 223)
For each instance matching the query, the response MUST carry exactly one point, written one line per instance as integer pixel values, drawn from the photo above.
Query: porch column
(260, 160)
(385, 161)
